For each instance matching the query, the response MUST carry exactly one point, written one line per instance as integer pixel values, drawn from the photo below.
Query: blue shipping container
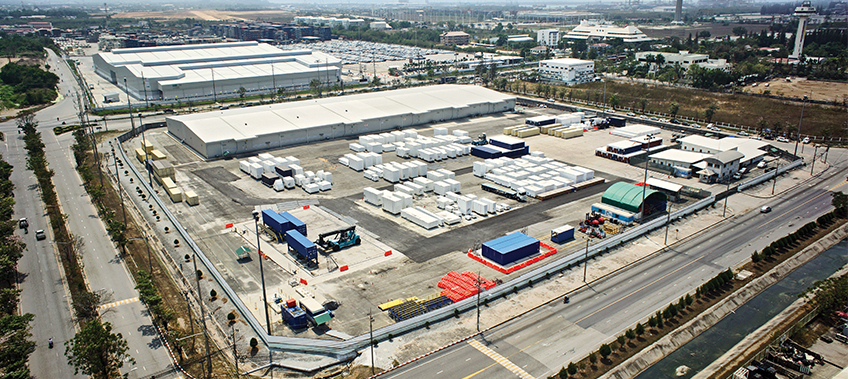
(518, 153)
(276, 222)
(294, 317)
(304, 247)
(510, 248)
(507, 142)
(562, 234)
(485, 152)
(296, 224)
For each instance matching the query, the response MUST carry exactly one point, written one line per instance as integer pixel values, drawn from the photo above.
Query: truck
(302, 246)
(342, 238)
(315, 312)
(505, 192)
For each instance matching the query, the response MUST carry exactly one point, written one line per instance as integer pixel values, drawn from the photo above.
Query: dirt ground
(798, 87)
(209, 15)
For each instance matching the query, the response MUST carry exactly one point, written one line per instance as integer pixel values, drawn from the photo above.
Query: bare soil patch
(209, 15)
(798, 87)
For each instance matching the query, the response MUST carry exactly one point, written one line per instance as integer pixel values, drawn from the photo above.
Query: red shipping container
(290, 303)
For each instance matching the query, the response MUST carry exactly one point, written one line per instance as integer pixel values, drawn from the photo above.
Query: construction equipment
(341, 238)
(481, 140)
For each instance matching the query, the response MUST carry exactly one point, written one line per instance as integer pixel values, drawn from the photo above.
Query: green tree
(593, 358)
(710, 112)
(9, 300)
(630, 334)
(15, 346)
(614, 101)
(242, 91)
(86, 305)
(97, 352)
(640, 329)
(643, 103)
(829, 295)
(605, 351)
(572, 368)
(840, 202)
(621, 340)
(673, 109)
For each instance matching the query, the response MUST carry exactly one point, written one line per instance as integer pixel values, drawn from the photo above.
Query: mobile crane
(340, 238)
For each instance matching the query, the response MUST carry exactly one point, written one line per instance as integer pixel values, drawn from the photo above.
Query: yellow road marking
(117, 303)
(498, 358)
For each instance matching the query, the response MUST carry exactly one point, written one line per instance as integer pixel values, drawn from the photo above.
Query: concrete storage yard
(418, 258)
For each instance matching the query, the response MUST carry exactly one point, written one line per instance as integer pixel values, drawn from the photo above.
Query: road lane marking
(498, 358)
(117, 303)
(830, 190)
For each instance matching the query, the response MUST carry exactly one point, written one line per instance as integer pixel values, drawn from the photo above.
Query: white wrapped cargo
(256, 170)
(410, 133)
(244, 166)
(449, 218)
(402, 152)
(533, 190)
(490, 205)
(447, 173)
(537, 154)
(279, 185)
(460, 133)
(300, 180)
(378, 159)
(265, 156)
(356, 147)
(414, 148)
(389, 147)
(357, 164)
(440, 131)
(455, 185)
(374, 147)
(268, 166)
(295, 167)
(371, 175)
(480, 207)
(464, 204)
(436, 176)
(387, 138)
(441, 188)
(292, 160)
(479, 169)
(311, 188)
(324, 185)
(443, 202)
(404, 189)
(420, 218)
(404, 171)
(289, 182)
(416, 188)
(365, 139)
(406, 199)
(310, 176)
(391, 174)
(424, 182)
(413, 169)
(572, 175)
(471, 196)
(427, 155)
(254, 160)
(372, 196)
(392, 204)
(587, 173)
(451, 195)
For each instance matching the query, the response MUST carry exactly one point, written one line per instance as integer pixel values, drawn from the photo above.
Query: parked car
(742, 133)
(675, 121)
(782, 139)
(806, 140)
(758, 138)
(654, 118)
(23, 223)
(631, 114)
(643, 117)
(684, 123)
(762, 164)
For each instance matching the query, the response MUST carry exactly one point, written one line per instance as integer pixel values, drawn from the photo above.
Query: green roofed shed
(629, 197)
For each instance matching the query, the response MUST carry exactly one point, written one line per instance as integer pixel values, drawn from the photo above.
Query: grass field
(819, 120)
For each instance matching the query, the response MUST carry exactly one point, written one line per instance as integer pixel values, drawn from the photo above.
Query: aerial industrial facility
(207, 71)
(237, 131)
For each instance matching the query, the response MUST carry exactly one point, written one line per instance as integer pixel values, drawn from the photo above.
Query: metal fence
(347, 349)
(769, 175)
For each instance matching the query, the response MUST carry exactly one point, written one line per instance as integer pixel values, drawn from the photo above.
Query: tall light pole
(644, 184)
(203, 317)
(814, 159)
(129, 107)
(667, 223)
(261, 272)
(724, 212)
(478, 301)
(120, 187)
(235, 353)
(798, 135)
(147, 165)
(585, 260)
(371, 339)
(604, 111)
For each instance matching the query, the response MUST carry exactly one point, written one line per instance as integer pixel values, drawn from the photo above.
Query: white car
(631, 114)
(782, 139)
(806, 140)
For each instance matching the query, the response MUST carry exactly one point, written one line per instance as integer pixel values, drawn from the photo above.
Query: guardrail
(348, 348)
(769, 175)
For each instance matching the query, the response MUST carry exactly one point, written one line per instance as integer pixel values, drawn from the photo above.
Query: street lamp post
(813, 164)
(120, 187)
(726, 195)
(798, 135)
(129, 106)
(203, 317)
(146, 163)
(644, 185)
(146, 242)
(235, 352)
(585, 260)
(371, 339)
(261, 272)
(478, 301)
(667, 223)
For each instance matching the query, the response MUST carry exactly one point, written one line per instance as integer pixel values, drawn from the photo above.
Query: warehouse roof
(246, 123)
(727, 156)
(627, 196)
(683, 156)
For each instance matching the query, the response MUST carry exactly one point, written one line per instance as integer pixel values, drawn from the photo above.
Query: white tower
(803, 12)
(678, 13)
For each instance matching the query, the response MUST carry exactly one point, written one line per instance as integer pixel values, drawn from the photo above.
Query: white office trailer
(182, 73)
(236, 131)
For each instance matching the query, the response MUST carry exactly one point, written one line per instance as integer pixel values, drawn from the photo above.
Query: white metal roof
(675, 155)
(246, 123)
(668, 186)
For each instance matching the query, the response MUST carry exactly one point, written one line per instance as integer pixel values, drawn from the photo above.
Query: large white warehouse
(193, 72)
(236, 131)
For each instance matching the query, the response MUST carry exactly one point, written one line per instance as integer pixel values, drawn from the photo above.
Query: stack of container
(173, 192)
(191, 197)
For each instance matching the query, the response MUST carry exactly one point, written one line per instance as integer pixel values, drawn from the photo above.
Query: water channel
(713, 343)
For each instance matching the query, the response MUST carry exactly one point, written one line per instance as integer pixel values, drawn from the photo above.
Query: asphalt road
(546, 339)
(104, 270)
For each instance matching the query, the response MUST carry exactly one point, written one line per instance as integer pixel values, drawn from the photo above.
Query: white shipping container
(279, 185)
(392, 204)
(455, 186)
(357, 164)
(311, 188)
(391, 174)
(406, 199)
(244, 166)
(449, 218)
(443, 202)
(300, 180)
(324, 185)
(256, 170)
(479, 207)
(451, 195)
(388, 138)
(282, 163)
(490, 205)
(295, 167)
(479, 169)
(372, 196)
(254, 160)
(460, 133)
(268, 165)
(265, 156)
(293, 160)
(416, 188)
(402, 152)
(440, 131)
(374, 147)
(424, 182)
(441, 188)
(288, 181)
(378, 159)
(356, 147)
(464, 204)
(389, 147)
(404, 189)
(435, 176)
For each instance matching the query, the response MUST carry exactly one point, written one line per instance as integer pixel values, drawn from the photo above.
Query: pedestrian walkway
(117, 303)
(500, 359)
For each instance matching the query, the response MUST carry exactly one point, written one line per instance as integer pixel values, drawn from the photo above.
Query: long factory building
(197, 72)
(242, 130)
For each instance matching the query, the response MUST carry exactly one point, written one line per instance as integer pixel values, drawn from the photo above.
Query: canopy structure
(629, 197)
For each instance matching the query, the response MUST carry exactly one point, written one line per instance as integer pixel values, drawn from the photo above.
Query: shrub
(199, 274)
(231, 316)
(254, 343)
(187, 258)
(572, 368)
(456, 313)
(563, 373)
(755, 257)
(213, 294)
(689, 300)
(427, 324)
(391, 336)
(640, 329)
(605, 350)
(620, 340)
(630, 334)
(593, 358)
(652, 322)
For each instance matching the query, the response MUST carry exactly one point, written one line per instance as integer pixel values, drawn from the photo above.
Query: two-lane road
(540, 343)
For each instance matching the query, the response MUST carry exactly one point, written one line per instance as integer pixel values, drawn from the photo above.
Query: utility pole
(371, 339)
(724, 212)
(644, 185)
(144, 142)
(667, 223)
(585, 260)
(120, 187)
(798, 134)
(478, 301)
(261, 272)
(203, 317)
(235, 353)
(813, 164)
(214, 95)
(774, 184)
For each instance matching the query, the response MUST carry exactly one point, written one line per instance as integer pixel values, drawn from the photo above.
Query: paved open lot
(419, 257)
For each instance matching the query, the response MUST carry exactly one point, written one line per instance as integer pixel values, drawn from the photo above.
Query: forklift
(341, 238)
(481, 140)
